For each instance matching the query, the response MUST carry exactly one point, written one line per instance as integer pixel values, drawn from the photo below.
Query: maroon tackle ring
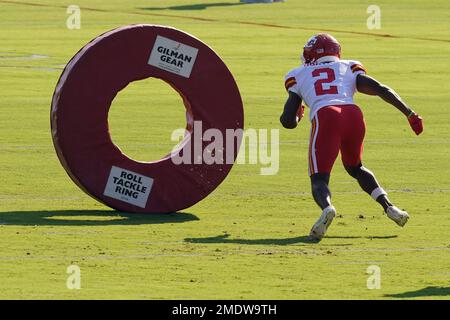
(106, 65)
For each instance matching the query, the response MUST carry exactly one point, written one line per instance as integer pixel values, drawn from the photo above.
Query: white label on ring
(128, 186)
(173, 56)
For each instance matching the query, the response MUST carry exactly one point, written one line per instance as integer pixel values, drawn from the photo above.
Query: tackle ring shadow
(90, 218)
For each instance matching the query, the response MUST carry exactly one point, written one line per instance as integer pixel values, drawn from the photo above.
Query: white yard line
(16, 56)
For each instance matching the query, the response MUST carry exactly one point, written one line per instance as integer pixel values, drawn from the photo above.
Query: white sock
(377, 192)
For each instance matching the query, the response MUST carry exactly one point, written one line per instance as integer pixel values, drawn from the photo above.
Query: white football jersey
(329, 81)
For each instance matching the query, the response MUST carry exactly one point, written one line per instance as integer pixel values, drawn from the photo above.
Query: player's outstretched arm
(289, 116)
(370, 86)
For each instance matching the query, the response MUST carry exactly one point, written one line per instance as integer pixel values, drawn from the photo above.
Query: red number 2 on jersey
(318, 85)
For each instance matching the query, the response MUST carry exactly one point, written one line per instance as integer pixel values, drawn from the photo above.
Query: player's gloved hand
(300, 113)
(415, 121)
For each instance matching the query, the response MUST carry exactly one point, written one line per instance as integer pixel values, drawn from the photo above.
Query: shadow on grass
(199, 6)
(224, 239)
(281, 242)
(89, 218)
(358, 237)
(425, 292)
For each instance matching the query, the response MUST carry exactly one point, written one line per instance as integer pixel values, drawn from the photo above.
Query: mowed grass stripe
(241, 22)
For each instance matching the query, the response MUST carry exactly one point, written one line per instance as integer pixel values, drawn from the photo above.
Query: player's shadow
(89, 218)
(424, 292)
(198, 6)
(224, 238)
(365, 237)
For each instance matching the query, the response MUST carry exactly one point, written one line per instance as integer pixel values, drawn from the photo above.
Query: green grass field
(247, 240)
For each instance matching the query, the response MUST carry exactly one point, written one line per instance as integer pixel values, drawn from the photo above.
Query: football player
(327, 85)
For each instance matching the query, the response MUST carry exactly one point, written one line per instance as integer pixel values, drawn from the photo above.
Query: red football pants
(334, 129)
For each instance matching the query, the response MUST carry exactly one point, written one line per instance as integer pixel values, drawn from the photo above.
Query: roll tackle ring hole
(142, 118)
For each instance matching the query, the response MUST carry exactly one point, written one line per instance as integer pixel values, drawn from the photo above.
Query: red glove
(300, 113)
(415, 121)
